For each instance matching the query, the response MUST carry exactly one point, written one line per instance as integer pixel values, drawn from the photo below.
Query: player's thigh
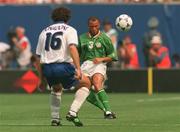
(88, 68)
(97, 81)
(60, 73)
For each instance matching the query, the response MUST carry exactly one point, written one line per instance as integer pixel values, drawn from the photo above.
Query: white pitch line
(158, 99)
(153, 125)
(120, 125)
(48, 125)
(24, 124)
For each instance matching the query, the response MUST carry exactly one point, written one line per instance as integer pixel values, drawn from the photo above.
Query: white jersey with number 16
(53, 43)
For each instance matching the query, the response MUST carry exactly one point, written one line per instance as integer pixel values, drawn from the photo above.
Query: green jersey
(95, 47)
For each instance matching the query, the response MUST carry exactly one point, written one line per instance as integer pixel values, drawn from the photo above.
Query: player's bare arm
(75, 56)
(102, 60)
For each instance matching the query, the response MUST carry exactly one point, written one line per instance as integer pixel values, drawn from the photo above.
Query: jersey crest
(91, 44)
(98, 45)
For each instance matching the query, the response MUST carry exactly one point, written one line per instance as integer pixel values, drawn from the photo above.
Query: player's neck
(60, 22)
(94, 36)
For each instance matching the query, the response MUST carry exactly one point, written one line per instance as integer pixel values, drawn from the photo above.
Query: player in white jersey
(60, 64)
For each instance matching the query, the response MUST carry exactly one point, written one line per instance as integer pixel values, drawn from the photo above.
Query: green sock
(94, 100)
(104, 99)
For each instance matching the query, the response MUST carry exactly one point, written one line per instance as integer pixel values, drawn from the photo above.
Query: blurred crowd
(156, 53)
(20, 2)
(17, 53)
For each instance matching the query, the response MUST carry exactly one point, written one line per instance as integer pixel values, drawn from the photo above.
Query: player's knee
(56, 88)
(97, 86)
(85, 82)
(97, 82)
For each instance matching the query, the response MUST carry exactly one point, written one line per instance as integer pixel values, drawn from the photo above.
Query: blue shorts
(60, 73)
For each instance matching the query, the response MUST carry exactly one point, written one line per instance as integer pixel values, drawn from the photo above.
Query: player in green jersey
(96, 49)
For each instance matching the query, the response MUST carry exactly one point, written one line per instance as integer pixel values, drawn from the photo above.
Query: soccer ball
(124, 22)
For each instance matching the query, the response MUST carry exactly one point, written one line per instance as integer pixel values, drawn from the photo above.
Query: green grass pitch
(135, 113)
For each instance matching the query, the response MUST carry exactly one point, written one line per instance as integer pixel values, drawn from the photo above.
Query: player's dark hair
(93, 18)
(61, 14)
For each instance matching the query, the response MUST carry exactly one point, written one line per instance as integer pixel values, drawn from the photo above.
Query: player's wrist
(103, 60)
(106, 59)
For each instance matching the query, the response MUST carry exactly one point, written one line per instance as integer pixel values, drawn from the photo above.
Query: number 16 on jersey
(53, 41)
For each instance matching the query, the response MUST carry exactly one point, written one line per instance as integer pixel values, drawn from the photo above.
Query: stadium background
(34, 18)
(137, 112)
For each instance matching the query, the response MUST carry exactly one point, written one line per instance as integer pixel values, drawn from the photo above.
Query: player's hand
(98, 60)
(78, 74)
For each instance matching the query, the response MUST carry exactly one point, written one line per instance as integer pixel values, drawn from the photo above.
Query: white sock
(80, 96)
(55, 100)
(108, 112)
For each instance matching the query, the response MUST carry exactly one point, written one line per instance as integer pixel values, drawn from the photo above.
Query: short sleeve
(39, 45)
(72, 37)
(110, 51)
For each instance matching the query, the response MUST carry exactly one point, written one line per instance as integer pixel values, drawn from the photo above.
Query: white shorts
(89, 68)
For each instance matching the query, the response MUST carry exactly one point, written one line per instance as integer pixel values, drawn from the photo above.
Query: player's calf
(101, 93)
(80, 97)
(55, 101)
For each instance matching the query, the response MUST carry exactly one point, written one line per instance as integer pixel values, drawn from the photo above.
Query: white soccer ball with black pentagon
(124, 22)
